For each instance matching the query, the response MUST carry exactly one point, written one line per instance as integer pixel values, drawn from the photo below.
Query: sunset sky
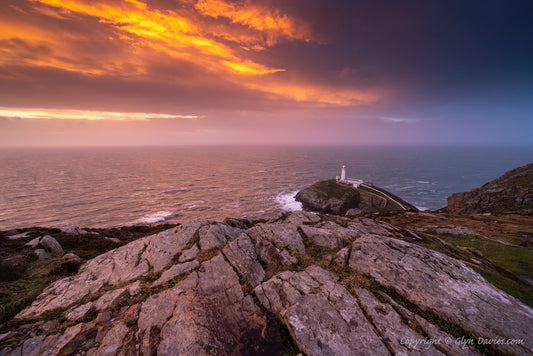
(170, 72)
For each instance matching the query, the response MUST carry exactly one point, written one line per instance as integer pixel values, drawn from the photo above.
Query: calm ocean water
(105, 187)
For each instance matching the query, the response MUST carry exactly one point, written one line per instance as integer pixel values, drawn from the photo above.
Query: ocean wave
(287, 201)
(422, 208)
(422, 181)
(152, 218)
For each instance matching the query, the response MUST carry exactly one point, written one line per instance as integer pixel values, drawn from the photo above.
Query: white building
(356, 182)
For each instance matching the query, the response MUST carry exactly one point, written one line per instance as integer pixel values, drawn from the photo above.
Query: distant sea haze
(106, 187)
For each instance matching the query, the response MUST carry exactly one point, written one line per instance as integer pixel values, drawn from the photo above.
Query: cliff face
(512, 192)
(332, 197)
(330, 285)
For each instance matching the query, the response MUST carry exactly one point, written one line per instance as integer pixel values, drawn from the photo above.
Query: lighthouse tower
(343, 173)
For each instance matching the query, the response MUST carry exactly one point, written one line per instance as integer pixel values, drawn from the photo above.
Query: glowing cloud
(122, 38)
(85, 115)
(269, 21)
(167, 31)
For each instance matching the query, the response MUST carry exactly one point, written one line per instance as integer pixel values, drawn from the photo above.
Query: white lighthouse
(343, 173)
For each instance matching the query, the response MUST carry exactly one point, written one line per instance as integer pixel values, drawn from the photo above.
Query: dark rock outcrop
(339, 198)
(512, 192)
(336, 284)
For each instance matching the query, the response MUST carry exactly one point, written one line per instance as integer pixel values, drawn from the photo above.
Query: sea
(110, 187)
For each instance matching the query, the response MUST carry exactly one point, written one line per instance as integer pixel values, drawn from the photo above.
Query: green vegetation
(368, 282)
(90, 343)
(500, 264)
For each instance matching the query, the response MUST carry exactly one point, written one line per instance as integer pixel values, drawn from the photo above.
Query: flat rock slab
(321, 315)
(436, 282)
(126, 263)
(241, 254)
(175, 271)
(390, 326)
(280, 235)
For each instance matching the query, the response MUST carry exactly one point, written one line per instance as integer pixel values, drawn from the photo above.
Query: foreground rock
(334, 197)
(512, 192)
(450, 288)
(335, 283)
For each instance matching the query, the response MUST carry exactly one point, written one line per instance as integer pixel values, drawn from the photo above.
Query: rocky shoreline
(330, 284)
(375, 283)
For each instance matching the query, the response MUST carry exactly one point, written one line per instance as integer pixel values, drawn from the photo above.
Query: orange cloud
(167, 31)
(121, 37)
(269, 21)
(91, 115)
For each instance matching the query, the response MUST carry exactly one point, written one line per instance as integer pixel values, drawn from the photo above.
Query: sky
(269, 72)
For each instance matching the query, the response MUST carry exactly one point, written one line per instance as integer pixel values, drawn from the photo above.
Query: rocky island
(340, 198)
(387, 281)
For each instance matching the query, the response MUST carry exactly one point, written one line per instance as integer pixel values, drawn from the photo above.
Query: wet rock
(450, 289)
(51, 245)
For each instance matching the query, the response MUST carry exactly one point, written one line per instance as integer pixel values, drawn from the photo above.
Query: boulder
(71, 257)
(51, 245)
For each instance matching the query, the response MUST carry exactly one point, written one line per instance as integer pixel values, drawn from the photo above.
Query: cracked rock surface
(331, 285)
